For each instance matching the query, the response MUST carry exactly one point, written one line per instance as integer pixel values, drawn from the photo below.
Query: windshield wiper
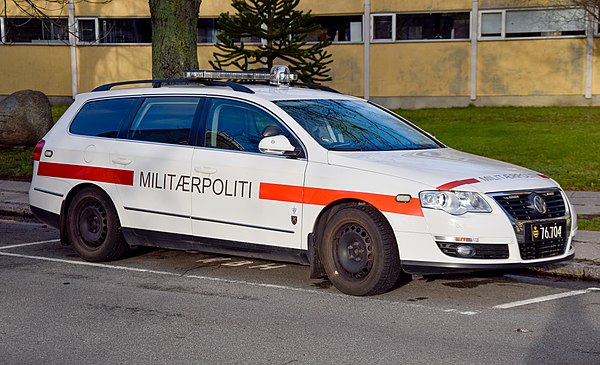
(345, 149)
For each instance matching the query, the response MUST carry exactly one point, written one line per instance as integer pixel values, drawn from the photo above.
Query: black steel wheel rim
(353, 251)
(93, 224)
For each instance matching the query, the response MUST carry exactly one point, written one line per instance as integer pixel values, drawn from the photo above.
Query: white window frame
(502, 26)
(503, 34)
(2, 35)
(383, 40)
(96, 30)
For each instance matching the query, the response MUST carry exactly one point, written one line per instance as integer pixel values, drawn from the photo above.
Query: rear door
(156, 147)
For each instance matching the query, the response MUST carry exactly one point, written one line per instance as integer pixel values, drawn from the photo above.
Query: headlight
(454, 202)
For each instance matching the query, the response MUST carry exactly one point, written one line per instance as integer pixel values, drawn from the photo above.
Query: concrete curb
(569, 269)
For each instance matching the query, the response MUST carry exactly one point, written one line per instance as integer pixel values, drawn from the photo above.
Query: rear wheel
(93, 227)
(359, 251)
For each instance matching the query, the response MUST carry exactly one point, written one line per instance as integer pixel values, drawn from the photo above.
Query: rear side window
(164, 120)
(102, 118)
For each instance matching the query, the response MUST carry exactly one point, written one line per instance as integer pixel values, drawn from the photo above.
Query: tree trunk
(174, 37)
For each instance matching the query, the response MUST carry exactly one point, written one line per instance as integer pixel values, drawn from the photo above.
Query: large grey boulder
(25, 117)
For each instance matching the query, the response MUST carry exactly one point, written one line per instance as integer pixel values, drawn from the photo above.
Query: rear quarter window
(102, 118)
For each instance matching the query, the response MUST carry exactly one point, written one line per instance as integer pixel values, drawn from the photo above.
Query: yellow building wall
(105, 64)
(382, 6)
(50, 8)
(332, 6)
(420, 69)
(347, 68)
(531, 67)
(37, 67)
(596, 68)
(114, 8)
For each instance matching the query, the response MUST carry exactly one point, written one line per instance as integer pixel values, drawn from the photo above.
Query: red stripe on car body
(456, 183)
(90, 173)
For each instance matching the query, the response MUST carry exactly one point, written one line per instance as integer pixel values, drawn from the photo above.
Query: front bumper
(434, 268)
(500, 238)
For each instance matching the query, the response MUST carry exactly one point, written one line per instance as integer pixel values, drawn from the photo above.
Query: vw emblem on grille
(539, 204)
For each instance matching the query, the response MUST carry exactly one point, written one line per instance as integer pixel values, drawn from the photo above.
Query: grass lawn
(561, 142)
(588, 223)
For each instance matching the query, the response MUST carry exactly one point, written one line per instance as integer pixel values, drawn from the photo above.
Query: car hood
(444, 169)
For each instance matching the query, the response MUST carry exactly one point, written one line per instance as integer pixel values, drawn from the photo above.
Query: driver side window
(234, 125)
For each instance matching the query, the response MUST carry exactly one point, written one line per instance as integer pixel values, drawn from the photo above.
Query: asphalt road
(169, 307)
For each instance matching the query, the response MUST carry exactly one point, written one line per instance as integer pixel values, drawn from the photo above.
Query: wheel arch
(64, 238)
(316, 266)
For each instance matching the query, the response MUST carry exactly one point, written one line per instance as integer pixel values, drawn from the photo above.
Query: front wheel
(93, 227)
(359, 251)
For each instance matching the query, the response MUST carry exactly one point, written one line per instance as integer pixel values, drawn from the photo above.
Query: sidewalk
(586, 265)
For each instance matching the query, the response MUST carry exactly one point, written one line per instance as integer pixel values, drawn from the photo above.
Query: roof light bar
(279, 75)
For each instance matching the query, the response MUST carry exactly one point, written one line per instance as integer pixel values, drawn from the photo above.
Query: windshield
(354, 125)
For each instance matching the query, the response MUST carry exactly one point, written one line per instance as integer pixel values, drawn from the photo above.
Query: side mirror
(277, 145)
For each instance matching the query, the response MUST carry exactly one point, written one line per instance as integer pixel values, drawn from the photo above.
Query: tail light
(37, 151)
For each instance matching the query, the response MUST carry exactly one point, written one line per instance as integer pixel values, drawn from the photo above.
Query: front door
(231, 172)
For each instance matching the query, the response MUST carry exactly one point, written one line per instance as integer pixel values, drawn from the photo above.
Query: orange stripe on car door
(318, 196)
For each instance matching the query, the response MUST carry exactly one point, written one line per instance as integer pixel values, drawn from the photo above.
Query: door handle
(205, 170)
(121, 161)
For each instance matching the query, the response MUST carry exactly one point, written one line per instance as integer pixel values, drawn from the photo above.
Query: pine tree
(282, 32)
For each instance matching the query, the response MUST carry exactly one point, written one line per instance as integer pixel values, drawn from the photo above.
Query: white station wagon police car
(280, 170)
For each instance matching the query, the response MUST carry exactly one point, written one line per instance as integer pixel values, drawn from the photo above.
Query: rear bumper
(45, 216)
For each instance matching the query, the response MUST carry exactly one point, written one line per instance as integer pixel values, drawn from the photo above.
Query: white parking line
(28, 244)
(228, 281)
(166, 273)
(545, 298)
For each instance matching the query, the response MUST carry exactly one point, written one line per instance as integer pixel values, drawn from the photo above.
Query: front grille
(540, 250)
(491, 251)
(520, 205)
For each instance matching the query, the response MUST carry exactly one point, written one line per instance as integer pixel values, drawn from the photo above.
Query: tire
(359, 251)
(93, 227)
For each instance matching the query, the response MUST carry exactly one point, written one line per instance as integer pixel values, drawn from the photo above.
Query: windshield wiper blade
(345, 149)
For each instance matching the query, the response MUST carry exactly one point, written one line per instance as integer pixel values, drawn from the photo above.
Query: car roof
(260, 91)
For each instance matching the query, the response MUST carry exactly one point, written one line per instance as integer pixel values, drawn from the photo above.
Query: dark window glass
(36, 30)
(432, 26)
(125, 31)
(102, 118)
(233, 125)
(207, 30)
(382, 27)
(86, 30)
(338, 29)
(164, 120)
(349, 125)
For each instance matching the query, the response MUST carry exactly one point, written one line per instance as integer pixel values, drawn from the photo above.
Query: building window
(338, 29)
(131, 30)
(421, 26)
(87, 30)
(383, 26)
(432, 26)
(207, 30)
(532, 23)
(34, 30)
